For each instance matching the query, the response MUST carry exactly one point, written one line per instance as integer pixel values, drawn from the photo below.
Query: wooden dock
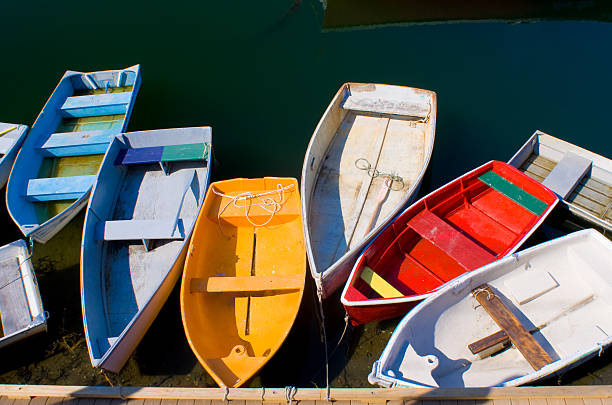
(83, 395)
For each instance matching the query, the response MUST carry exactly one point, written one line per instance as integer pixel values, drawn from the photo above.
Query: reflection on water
(261, 74)
(368, 14)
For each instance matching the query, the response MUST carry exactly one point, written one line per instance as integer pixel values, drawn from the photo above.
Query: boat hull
(558, 290)
(463, 225)
(8, 158)
(68, 140)
(130, 260)
(365, 125)
(244, 276)
(591, 197)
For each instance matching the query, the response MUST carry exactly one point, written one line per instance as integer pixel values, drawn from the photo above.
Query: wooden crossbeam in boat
(500, 340)
(510, 324)
(246, 284)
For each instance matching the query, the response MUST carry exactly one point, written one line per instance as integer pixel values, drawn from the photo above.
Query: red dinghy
(476, 219)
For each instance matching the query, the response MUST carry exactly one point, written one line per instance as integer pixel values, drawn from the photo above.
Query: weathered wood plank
(520, 401)
(566, 175)
(555, 401)
(592, 401)
(520, 337)
(586, 204)
(410, 396)
(574, 401)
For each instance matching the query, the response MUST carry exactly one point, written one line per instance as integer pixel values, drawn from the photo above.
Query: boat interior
(245, 282)
(468, 223)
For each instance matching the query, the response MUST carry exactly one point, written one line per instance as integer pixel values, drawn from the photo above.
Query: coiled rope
(364, 164)
(246, 200)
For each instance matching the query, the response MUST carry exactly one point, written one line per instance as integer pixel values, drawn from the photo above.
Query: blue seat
(59, 188)
(95, 105)
(78, 143)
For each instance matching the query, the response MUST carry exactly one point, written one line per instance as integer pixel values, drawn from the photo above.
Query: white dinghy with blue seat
(58, 163)
(522, 318)
(138, 223)
(21, 309)
(11, 138)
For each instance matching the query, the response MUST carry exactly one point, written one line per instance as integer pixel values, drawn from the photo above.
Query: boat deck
(591, 195)
(83, 395)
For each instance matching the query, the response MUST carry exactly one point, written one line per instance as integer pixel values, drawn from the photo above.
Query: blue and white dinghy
(21, 308)
(11, 138)
(138, 223)
(58, 163)
(522, 318)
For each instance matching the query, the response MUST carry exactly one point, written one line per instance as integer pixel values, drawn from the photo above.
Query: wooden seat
(513, 192)
(512, 327)
(379, 284)
(152, 229)
(567, 174)
(95, 105)
(247, 283)
(77, 143)
(14, 308)
(139, 229)
(163, 154)
(59, 188)
(466, 252)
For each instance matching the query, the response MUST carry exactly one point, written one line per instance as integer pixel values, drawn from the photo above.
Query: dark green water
(261, 74)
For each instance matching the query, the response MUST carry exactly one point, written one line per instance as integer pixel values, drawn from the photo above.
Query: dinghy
(582, 179)
(364, 163)
(21, 309)
(474, 220)
(58, 163)
(11, 138)
(138, 223)
(244, 276)
(528, 316)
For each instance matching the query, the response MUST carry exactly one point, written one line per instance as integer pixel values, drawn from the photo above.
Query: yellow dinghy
(244, 275)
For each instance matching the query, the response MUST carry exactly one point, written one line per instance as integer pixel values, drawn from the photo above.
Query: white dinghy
(514, 321)
(582, 179)
(138, 224)
(21, 308)
(364, 163)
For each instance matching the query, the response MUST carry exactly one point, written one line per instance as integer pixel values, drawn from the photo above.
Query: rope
(364, 164)
(290, 392)
(255, 200)
(478, 291)
(225, 394)
(324, 336)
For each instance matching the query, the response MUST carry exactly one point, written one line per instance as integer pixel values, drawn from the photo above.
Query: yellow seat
(379, 284)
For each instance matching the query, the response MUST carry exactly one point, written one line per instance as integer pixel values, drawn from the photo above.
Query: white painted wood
(567, 318)
(566, 175)
(339, 200)
(134, 229)
(6, 144)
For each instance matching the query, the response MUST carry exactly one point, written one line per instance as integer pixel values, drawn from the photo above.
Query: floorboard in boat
(339, 208)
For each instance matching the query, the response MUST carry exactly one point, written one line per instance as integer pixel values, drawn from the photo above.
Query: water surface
(261, 74)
